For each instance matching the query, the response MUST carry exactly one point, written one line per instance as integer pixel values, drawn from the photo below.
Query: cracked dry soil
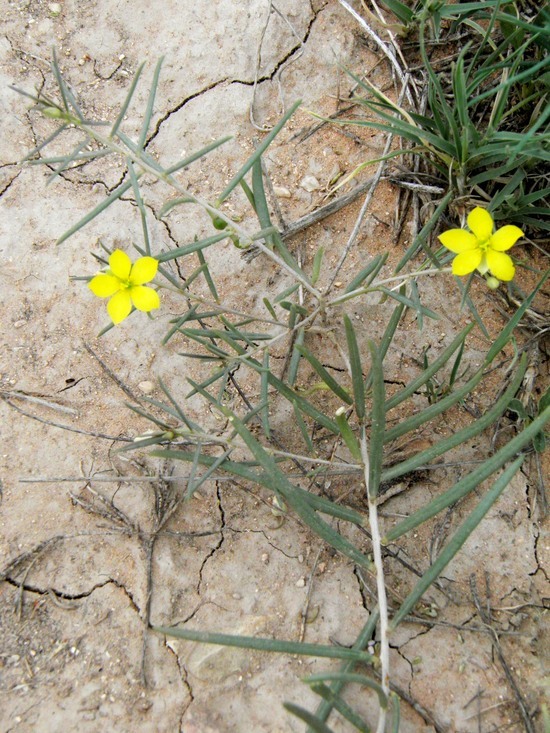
(91, 545)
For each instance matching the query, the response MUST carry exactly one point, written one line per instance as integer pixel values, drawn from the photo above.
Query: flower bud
(492, 282)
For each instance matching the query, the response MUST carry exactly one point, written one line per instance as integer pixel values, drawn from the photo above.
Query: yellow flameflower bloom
(124, 284)
(482, 248)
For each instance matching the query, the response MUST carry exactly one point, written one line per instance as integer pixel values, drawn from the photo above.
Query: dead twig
(485, 616)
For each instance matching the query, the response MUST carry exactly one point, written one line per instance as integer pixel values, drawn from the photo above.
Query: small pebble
(54, 8)
(301, 583)
(265, 558)
(146, 387)
(281, 192)
(310, 183)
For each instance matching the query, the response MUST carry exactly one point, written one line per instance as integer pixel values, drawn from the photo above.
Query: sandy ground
(82, 560)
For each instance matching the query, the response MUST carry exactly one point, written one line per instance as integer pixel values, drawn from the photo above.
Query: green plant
(484, 136)
(352, 409)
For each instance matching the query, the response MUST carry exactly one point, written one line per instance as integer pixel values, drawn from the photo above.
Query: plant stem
(380, 583)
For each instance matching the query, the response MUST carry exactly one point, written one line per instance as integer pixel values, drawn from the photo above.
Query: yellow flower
(124, 284)
(482, 248)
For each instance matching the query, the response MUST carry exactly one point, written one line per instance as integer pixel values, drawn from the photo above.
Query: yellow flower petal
(500, 265)
(143, 270)
(480, 223)
(467, 262)
(120, 264)
(145, 299)
(505, 237)
(104, 285)
(458, 240)
(119, 306)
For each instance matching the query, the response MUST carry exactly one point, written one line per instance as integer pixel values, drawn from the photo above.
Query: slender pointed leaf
(472, 480)
(456, 542)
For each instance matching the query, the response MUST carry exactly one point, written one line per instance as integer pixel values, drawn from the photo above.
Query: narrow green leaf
(264, 394)
(116, 194)
(279, 646)
(317, 262)
(365, 635)
(347, 434)
(327, 378)
(139, 201)
(193, 247)
(506, 332)
(127, 101)
(350, 678)
(316, 725)
(150, 105)
(456, 542)
(373, 268)
(295, 357)
(270, 308)
(341, 706)
(378, 421)
(356, 369)
(258, 153)
(414, 422)
(207, 276)
(410, 303)
(303, 428)
(472, 480)
(441, 447)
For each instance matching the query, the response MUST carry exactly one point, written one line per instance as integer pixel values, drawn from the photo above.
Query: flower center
(484, 244)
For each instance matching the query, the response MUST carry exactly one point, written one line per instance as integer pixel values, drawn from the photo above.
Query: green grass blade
(197, 155)
(356, 369)
(60, 82)
(193, 426)
(274, 240)
(474, 479)
(456, 542)
(234, 182)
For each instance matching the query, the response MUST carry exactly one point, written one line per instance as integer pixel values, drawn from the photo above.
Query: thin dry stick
(485, 616)
(375, 181)
(113, 438)
(38, 401)
(386, 50)
(127, 391)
